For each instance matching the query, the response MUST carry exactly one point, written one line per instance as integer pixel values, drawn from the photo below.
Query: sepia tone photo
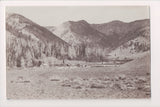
(78, 52)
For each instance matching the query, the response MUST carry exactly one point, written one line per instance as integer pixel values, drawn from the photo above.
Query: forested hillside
(29, 44)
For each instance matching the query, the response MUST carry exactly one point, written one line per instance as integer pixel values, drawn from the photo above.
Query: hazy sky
(52, 16)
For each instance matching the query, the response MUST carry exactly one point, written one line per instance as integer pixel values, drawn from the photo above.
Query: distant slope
(79, 32)
(121, 32)
(133, 44)
(120, 28)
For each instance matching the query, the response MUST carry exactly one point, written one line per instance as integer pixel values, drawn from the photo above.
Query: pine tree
(63, 53)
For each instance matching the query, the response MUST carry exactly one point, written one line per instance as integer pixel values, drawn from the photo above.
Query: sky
(53, 16)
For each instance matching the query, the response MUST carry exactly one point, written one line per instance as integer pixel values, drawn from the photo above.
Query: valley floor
(130, 80)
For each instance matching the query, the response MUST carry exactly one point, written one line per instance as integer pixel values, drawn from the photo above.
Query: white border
(155, 55)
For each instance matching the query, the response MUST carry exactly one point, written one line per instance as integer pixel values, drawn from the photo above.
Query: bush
(37, 63)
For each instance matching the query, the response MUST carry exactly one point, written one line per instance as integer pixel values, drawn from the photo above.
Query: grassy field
(129, 80)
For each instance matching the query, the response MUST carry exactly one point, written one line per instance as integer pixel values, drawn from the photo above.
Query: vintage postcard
(78, 52)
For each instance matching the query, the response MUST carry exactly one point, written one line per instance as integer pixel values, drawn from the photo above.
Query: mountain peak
(15, 15)
(82, 21)
(24, 27)
(116, 22)
(76, 22)
(8, 14)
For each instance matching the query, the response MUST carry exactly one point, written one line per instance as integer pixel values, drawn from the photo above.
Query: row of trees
(136, 46)
(26, 52)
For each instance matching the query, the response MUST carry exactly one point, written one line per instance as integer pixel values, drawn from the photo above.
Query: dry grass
(124, 81)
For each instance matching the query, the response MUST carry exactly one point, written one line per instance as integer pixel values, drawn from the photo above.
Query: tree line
(27, 52)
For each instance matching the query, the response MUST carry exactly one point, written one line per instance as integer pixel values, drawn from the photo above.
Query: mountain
(110, 34)
(17, 24)
(120, 31)
(122, 40)
(120, 28)
(111, 28)
(118, 37)
(134, 43)
(27, 42)
(79, 32)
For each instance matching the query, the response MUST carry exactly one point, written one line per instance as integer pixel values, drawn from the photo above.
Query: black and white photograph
(78, 52)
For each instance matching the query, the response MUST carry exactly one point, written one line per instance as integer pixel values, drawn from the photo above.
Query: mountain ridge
(28, 43)
(80, 31)
(49, 35)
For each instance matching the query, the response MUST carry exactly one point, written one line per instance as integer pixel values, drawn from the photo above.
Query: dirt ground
(130, 80)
